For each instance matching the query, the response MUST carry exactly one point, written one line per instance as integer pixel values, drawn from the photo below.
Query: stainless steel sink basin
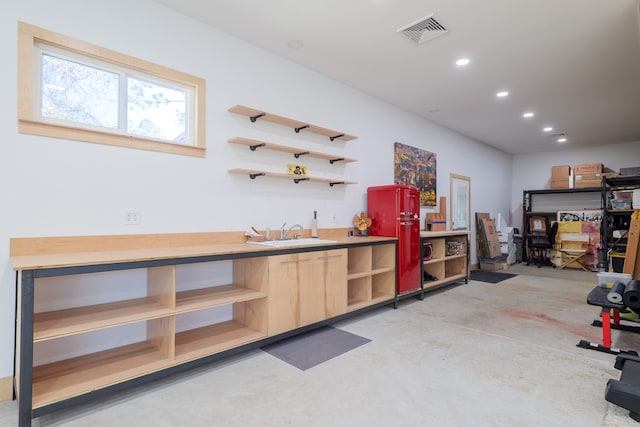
(292, 242)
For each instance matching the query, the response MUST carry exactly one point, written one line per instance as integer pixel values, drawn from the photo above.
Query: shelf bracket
(331, 184)
(253, 147)
(297, 180)
(254, 175)
(254, 118)
(302, 153)
(332, 138)
(300, 128)
(339, 159)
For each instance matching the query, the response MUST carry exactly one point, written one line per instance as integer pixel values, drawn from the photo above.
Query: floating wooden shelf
(295, 178)
(296, 125)
(253, 144)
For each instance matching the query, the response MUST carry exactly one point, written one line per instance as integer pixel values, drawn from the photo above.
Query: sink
(293, 242)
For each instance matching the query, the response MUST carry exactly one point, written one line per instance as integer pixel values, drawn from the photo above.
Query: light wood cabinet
(445, 258)
(306, 288)
(130, 318)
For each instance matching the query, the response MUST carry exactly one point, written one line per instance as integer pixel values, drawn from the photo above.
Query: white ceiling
(576, 63)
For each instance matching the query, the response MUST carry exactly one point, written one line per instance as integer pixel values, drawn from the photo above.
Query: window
(70, 89)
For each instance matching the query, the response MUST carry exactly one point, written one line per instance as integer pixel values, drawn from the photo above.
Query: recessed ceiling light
(547, 129)
(562, 139)
(502, 94)
(528, 114)
(462, 62)
(295, 44)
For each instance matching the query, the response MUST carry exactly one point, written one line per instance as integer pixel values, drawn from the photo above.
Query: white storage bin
(607, 279)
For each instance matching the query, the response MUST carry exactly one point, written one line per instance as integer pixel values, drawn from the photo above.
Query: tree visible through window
(108, 93)
(78, 93)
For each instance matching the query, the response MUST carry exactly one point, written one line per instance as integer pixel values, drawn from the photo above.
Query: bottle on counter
(314, 224)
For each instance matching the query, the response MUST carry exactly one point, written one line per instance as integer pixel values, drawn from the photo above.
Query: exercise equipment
(625, 392)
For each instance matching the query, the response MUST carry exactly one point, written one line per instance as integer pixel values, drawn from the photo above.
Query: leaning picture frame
(460, 190)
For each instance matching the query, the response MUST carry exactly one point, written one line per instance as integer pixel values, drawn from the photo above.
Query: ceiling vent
(557, 135)
(424, 29)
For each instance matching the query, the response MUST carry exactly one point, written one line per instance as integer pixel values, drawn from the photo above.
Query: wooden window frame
(29, 36)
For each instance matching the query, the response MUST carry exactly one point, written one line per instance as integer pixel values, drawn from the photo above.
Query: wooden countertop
(33, 254)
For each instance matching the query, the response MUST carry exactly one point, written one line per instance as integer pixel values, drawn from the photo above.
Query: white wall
(533, 171)
(60, 187)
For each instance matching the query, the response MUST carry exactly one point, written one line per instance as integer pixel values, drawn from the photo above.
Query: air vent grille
(557, 135)
(422, 30)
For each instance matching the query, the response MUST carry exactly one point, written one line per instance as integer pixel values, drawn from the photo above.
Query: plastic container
(623, 194)
(607, 279)
(623, 204)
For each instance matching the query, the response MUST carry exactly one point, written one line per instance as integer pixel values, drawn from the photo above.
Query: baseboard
(6, 388)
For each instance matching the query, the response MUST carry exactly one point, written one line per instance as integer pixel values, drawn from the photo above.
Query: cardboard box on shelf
(591, 180)
(587, 168)
(630, 171)
(559, 173)
(559, 183)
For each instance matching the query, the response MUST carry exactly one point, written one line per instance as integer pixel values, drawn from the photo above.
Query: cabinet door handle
(329, 256)
(292, 261)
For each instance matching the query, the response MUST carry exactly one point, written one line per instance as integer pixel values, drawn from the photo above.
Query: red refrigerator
(395, 212)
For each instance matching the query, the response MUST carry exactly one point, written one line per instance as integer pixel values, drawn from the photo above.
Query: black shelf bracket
(254, 175)
(302, 153)
(339, 159)
(301, 128)
(254, 118)
(331, 184)
(253, 147)
(332, 138)
(297, 180)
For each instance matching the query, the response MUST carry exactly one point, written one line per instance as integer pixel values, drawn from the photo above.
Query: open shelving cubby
(371, 275)
(438, 264)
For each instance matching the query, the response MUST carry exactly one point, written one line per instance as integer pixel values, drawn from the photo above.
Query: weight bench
(625, 392)
(598, 297)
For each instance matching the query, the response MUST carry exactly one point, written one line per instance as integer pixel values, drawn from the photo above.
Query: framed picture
(538, 225)
(416, 167)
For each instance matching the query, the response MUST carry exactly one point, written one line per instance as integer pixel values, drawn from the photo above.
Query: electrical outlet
(132, 217)
(334, 219)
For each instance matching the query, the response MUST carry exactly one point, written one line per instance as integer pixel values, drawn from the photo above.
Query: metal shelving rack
(615, 219)
(528, 209)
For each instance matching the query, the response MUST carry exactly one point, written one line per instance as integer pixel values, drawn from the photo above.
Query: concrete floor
(476, 355)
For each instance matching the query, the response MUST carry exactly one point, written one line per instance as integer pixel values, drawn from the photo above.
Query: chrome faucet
(283, 234)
